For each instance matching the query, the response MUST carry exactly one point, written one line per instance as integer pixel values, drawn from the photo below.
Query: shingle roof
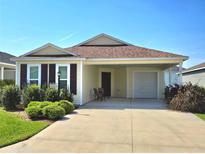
(5, 58)
(129, 51)
(196, 67)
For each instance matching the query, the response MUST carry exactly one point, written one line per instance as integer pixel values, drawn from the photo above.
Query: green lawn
(14, 129)
(201, 116)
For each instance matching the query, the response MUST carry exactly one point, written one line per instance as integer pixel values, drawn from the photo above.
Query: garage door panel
(145, 85)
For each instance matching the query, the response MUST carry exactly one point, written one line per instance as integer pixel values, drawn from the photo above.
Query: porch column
(2, 73)
(17, 74)
(81, 82)
(180, 73)
(170, 75)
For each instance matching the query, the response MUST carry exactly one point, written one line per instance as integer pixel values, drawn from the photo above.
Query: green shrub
(34, 112)
(1, 93)
(45, 103)
(53, 112)
(66, 95)
(40, 104)
(51, 94)
(33, 103)
(6, 83)
(190, 98)
(33, 93)
(68, 106)
(11, 96)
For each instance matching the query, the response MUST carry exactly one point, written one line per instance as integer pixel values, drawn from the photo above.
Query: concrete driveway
(120, 125)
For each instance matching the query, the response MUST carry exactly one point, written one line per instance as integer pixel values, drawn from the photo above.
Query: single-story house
(7, 67)
(122, 69)
(195, 74)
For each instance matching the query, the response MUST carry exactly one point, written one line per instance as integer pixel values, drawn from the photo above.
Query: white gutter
(44, 58)
(96, 59)
(1, 63)
(163, 58)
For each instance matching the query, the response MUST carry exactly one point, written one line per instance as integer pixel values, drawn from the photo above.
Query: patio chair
(101, 94)
(96, 93)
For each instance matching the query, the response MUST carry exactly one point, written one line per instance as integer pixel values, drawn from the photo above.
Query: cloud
(19, 39)
(67, 37)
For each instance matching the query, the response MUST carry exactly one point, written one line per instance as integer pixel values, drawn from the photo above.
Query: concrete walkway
(120, 125)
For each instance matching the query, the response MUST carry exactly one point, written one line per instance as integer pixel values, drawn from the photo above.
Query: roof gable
(48, 50)
(103, 40)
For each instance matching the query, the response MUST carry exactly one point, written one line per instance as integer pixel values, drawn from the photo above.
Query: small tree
(11, 96)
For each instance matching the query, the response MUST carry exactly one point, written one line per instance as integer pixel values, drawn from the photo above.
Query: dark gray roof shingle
(5, 58)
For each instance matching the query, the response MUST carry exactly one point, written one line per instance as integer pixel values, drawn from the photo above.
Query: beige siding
(120, 82)
(103, 41)
(130, 72)
(195, 78)
(48, 51)
(9, 74)
(90, 81)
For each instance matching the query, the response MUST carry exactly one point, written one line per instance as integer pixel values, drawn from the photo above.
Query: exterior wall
(130, 72)
(48, 51)
(9, 74)
(90, 81)
(120, 82)
(103, 41)
(78, 97)
(195, 78)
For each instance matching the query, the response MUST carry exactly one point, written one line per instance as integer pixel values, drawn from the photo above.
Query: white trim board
(39, 73)
(68, 74)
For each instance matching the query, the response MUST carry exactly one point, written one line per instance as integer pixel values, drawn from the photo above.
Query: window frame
(39, 73)
(68, 74)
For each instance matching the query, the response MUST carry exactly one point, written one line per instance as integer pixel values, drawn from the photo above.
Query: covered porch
(7, 71)
(141, 81)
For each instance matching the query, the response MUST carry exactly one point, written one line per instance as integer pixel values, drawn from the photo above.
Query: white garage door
(145, 84)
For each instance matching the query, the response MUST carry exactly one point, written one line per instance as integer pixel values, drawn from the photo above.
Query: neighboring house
(122, 69)
(7, 67)
(195, 75)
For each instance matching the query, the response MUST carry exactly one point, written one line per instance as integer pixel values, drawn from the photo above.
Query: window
(33, 74)
(63, 70)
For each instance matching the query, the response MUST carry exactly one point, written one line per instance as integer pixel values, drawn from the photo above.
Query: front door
(106, 83)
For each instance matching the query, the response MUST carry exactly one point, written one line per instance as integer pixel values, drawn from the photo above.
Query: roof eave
(192, 70)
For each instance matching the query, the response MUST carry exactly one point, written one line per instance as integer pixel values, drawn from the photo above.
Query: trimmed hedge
(34, 112)
(68, 106)
(49, 110)
(53, 112)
